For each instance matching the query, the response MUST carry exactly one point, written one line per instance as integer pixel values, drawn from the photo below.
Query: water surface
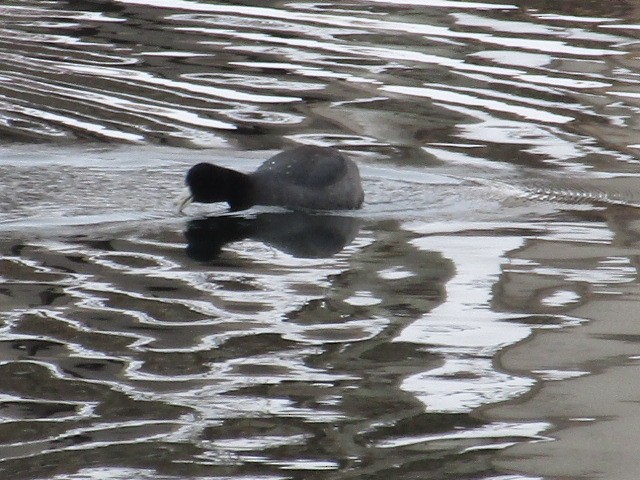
(476, 319)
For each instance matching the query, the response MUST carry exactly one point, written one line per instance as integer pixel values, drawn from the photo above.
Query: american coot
(316, 178)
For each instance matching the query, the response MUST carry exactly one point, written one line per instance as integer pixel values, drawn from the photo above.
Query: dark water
(493, 266)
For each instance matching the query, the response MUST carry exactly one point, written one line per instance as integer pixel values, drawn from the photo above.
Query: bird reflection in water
(300, 234)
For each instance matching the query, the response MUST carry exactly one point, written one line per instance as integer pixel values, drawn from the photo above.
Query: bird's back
(309, 177)
(308, 166)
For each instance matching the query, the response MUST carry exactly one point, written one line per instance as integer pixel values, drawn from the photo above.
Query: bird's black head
(210, 183)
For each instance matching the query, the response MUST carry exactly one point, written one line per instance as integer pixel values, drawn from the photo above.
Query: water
(476, 319)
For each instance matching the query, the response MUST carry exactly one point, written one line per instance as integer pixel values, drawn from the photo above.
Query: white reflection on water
(227, 93)
(449, 97)
(465, 329)
(70, 122)
(450, 4)
(497, 431)
(120, 473)
(561, 298)
(463, 384)
(528, 28)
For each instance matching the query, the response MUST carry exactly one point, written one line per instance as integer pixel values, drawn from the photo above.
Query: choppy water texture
(476, 319)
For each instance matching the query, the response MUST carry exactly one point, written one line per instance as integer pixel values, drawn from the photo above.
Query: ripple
(496, 147)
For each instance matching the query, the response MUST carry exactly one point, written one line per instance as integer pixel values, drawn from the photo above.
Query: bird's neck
(241, 191)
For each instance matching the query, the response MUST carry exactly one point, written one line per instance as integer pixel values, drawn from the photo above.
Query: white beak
(185, 199)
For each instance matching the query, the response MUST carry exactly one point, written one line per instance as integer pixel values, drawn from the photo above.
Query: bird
(305, 177)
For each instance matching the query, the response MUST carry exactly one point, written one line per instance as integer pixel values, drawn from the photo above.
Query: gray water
(477, 319)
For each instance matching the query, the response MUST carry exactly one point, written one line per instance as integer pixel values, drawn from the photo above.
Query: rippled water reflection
(479, 302)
